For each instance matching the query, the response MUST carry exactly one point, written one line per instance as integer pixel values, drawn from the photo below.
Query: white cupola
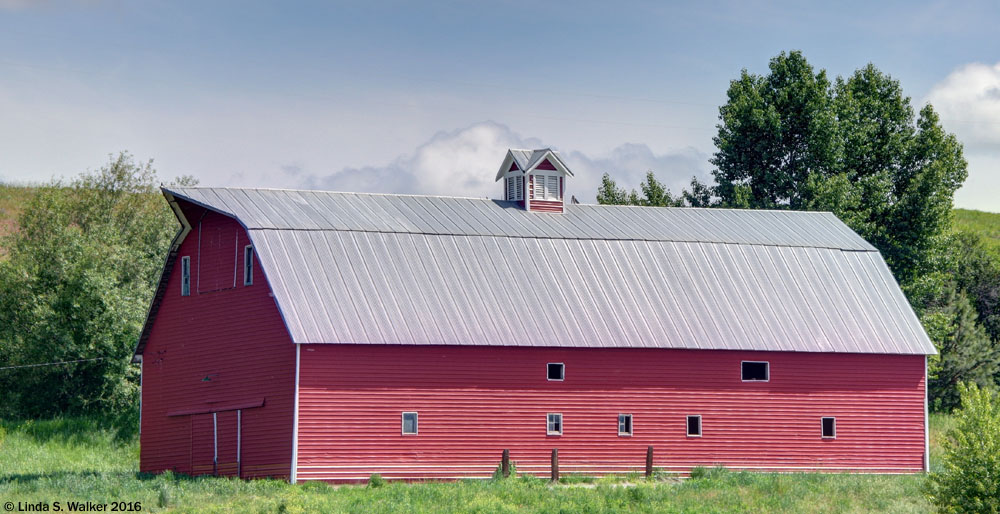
(535, 179)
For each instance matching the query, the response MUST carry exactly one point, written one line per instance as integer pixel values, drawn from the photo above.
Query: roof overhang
(161, 284)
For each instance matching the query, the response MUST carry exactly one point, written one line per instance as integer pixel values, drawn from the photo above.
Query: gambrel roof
(397, 269)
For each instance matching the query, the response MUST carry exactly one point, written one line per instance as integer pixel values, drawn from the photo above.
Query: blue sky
(404, 97)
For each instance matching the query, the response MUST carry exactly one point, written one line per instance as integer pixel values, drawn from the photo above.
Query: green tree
(969, 482)
(965, 351)
(654, 193)
(976, 270)
(775, 131)
(792, 139)
(80, 271)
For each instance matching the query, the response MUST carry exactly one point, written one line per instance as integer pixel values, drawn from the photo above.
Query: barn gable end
(218, 365)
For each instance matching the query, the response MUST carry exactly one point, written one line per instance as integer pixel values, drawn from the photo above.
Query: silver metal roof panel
(392, 269)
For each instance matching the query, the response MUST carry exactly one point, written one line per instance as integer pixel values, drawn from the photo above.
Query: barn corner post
(295, 417)
(927, 428)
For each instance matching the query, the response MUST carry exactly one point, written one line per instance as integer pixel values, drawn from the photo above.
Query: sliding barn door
(216, 442)
(203, 444)
(228, 432)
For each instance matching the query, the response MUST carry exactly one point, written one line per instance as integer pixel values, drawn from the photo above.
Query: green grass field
(986, 224)
(74, 460)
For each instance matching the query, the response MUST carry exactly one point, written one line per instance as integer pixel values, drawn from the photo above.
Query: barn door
(203, 444)
(215, 443)
(228, 433)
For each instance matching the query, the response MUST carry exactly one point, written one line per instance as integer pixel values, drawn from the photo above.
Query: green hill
(986, 224)
(12, 201)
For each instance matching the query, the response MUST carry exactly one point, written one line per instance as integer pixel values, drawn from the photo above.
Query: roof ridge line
(549, 238)
(416, 195)
(326, 192)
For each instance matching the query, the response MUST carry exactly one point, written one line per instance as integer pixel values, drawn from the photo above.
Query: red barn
(328, 336)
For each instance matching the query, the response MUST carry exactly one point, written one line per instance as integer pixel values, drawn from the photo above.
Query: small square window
(694, 426)
(553, 425)
(625, 424)
(755, 371)
(409, 423)
(829, 428)
(556, 371)
(248, 265)
(186, 276)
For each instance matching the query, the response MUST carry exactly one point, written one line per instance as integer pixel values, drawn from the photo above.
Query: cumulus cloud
(464, 163)
(968, 100)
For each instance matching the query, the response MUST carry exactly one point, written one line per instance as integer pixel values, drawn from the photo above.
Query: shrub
(376, 480)
(498, 473)
(969, 482)
(699, 472)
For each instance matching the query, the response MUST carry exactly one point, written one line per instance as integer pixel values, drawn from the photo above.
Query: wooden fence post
(505, 464)
(649, 462)
(555, 464)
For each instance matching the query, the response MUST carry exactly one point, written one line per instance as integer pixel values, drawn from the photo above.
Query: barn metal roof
(393, 269)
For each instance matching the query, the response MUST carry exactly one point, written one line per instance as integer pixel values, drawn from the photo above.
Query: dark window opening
(556, 371)
(248, 265)
(186, 276)
(553, 424)
(409, 422)
(755, 372)
(694, 426)
(830, 427)
(624, 424)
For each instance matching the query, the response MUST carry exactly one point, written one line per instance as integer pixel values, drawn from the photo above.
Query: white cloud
(464, 163)
(968, 100)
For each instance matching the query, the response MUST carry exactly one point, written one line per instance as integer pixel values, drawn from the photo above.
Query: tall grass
(76, 459)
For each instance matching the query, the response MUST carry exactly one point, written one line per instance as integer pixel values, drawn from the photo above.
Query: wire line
(52, 363)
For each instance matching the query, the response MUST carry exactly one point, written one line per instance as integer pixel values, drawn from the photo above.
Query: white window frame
(416, 423)
(248, 265)
(767, 370)
(834, 436)
(631, 425)
(687, 425)
(548, 423)
(562, 375)
(186, 275)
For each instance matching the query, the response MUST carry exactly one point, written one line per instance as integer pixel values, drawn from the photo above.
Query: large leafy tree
(854, 146)
(79, 274)
(775, 131)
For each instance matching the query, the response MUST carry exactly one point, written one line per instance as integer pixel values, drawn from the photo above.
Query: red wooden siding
(218, 351)
(545, 165)
(215, 256)
(546, 205)
(474, 402)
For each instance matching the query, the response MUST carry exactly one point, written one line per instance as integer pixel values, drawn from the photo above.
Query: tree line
(792, 138)
(75, 284)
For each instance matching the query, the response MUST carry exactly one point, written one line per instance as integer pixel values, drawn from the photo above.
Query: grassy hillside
(986, 224)
(12, 200)
(73, 460)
